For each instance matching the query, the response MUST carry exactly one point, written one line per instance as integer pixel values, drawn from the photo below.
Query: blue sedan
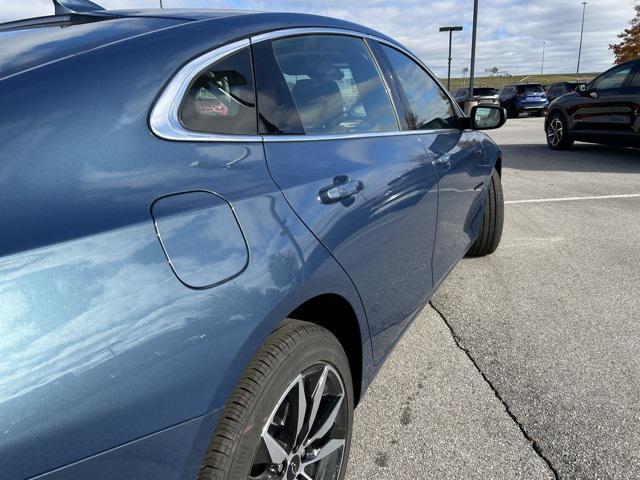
(215, 227)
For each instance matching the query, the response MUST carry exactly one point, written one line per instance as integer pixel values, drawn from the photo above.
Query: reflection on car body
(220, 224)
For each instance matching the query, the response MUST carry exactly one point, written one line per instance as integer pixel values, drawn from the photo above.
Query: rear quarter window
(222, 98)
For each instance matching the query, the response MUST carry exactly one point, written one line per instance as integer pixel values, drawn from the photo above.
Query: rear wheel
(558, 137)
(512, 111)
(290, 417)
(492, 221)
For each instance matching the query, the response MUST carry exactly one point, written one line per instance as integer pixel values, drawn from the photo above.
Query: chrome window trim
(294, 32)
(349, 136)
(164, 119)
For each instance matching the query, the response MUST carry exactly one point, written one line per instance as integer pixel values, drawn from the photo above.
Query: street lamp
(473, 49)
(544, 44)
(450, 30)
(584, 8)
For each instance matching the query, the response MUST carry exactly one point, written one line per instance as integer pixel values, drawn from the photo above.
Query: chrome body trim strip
(348, 136)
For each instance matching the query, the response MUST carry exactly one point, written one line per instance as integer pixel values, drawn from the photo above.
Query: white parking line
(573, 199)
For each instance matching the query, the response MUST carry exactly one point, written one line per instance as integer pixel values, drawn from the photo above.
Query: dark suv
(524, 98)
(607, 111)
(558, 89)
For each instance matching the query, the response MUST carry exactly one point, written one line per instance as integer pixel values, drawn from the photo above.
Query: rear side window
(334, 83)
(429, 106)
(222, 98)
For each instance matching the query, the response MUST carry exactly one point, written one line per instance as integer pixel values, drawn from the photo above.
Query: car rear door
(456, 155)
(366, 189)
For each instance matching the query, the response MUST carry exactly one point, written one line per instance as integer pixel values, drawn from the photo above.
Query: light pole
(584, 8)
(544, 44)
(473, 48)
(450, 30)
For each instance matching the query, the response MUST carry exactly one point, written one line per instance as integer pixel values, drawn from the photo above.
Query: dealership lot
(529, 367)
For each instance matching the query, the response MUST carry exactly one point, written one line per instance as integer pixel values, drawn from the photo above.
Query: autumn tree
(629, 46)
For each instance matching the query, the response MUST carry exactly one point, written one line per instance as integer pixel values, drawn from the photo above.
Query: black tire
(492, 221)
(540, 113)
(295, 347)
(512, 112)
(557, 132)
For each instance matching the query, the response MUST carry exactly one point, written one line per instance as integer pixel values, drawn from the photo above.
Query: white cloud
(510, 33)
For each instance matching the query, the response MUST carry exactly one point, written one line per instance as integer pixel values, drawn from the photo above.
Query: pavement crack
(532, 442)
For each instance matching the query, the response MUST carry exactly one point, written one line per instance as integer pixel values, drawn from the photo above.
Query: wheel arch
(335, 313)
(552, 112)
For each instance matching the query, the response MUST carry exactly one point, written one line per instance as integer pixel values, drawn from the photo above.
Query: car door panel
(383, 236)
(456, 155)
(592, 114)
(462, 183)
(598, 110)
(370, 197)
(626, 111)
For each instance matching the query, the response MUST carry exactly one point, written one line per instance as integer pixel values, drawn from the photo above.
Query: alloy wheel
(555, 132)
(305, 436)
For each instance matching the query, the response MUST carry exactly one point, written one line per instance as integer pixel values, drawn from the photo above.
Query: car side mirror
(487, 117)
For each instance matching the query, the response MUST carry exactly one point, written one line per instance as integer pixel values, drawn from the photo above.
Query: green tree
(629, 46)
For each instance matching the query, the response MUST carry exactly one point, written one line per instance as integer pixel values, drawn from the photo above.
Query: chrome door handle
(441, 160)
(340, 191)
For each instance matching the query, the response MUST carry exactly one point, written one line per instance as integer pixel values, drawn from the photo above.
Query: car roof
(189, 14)
(34, 42)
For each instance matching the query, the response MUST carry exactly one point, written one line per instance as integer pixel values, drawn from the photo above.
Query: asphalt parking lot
(527, 364)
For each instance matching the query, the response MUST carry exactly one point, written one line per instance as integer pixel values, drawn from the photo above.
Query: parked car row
(217, 225)
(516, 99)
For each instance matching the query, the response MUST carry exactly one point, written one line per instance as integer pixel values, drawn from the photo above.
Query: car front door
(626, 110)
(456, 155)
(367, 190)
(594, 111)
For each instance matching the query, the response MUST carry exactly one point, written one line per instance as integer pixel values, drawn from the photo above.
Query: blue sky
(510, 35)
